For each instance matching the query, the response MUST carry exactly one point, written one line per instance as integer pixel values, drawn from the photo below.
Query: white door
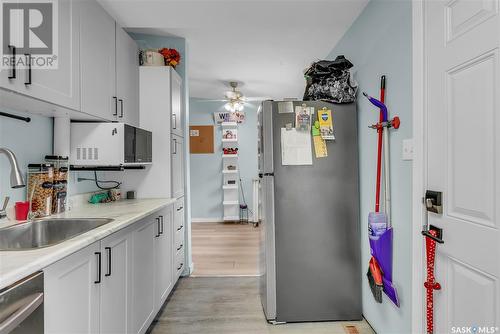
(97, 61)
(60, 86)
(116, 288)
(71, 291)
(143, 302)
(176, 93)
(127, 78)
(177, 167)
(164, 257)
(463, 151)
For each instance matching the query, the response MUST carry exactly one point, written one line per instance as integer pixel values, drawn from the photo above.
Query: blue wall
(30, 142)
(379, 42)
(206, 169)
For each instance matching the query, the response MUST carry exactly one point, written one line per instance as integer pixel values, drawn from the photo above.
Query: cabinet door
(97, 61)
(177, 166)
(62, 85)
(143, 291)
(176, 100)
(9, 78)
(164, 257)
(116, 288)
(72, 293)
(127, 78)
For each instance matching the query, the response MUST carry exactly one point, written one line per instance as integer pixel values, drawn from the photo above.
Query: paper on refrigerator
(295, 147)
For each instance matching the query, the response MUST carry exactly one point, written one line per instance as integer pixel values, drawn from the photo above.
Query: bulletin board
(201, 139)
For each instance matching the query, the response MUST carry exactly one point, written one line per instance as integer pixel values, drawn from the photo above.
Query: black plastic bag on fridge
(330, 80)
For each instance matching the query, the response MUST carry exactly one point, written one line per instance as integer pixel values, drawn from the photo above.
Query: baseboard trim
(207, 220)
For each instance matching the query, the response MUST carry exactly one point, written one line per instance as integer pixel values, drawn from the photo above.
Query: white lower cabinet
(143, 302)
(117, 284)
(71, 301)
(179, 238)
(164, 259)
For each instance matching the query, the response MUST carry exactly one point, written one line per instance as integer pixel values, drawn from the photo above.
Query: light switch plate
(407, 149)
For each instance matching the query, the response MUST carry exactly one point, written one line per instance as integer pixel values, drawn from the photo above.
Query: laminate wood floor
(225, 249)
(231, 305)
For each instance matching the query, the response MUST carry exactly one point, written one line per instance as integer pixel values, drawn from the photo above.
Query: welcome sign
(229, 116)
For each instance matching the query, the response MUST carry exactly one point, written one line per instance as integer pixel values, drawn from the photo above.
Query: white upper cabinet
(176, 101)
(97, 61)
(127, 78)
(59, 85)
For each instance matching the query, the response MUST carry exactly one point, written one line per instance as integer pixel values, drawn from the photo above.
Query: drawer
(179, 263)
(179, 241)
(179, 214)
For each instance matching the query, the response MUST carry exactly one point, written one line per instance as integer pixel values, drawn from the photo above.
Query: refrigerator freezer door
(316, 225)
(267, 263)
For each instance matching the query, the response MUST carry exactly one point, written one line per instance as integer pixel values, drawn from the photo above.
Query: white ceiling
(266, 45)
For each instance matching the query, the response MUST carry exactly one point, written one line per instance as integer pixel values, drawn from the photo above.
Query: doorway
(224, 239)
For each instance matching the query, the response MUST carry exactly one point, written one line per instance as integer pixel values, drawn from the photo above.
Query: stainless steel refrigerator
(310, 241)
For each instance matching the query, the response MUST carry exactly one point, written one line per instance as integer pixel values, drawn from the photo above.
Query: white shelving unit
(230, 177)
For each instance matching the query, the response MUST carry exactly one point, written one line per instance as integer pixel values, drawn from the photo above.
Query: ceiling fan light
(228, 107)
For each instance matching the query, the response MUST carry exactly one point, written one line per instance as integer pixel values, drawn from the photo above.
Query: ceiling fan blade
(256, 98)
(207, 100)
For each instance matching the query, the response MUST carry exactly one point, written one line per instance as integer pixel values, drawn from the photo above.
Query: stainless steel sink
(45, 232)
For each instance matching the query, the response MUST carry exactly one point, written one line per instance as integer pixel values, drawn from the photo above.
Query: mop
(381, 232)
(376, 218)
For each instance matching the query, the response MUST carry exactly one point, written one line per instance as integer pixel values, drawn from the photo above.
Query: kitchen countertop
(14, 265)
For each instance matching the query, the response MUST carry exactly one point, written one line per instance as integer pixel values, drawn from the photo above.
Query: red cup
(22, 210)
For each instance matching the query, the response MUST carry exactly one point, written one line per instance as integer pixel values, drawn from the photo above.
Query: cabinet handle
(180, 208)
(13, 69)
(174, 116)
(161, 224)
(180, 228)
(158, 227)
(28, 75)
(116, 106)
(109, 261)
(175, 146)
(121, 108)
(98, 267)
(180, 266)
(180, 247)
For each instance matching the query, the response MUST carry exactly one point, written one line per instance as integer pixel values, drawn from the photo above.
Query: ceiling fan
(235, 98)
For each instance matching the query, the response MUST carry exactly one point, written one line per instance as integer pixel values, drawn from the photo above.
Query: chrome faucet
(16, 178)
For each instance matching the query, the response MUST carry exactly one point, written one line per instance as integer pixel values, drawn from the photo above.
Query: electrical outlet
(407, 149)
